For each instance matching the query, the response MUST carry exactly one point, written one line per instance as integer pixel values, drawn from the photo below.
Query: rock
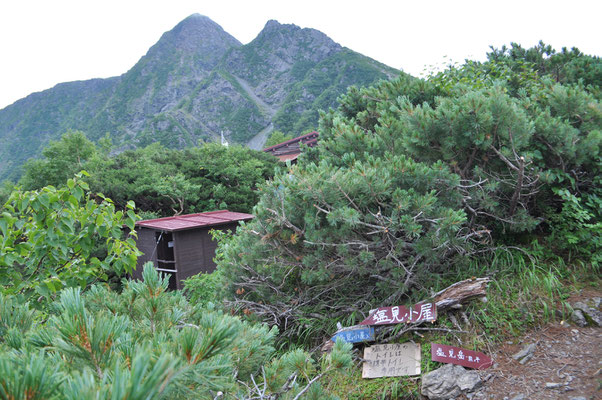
(596, 302)
(526, 353)
(449, 381)
(519, 397)
(591, 315)
(578, 398)
(526, 359)
(553, 385)
(578, 318)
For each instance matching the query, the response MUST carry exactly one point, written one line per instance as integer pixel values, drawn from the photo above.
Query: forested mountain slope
(194, 83)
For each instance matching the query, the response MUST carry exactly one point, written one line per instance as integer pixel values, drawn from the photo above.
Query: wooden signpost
(355, 334)
(455, 355)
(391, 360)
(401, 314)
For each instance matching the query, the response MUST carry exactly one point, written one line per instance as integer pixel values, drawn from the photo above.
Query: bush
(410, 177)
(146, 343)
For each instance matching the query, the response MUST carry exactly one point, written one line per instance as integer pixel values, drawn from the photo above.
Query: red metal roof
(192, 221)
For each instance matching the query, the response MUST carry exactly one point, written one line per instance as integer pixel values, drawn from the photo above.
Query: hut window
(165, 246)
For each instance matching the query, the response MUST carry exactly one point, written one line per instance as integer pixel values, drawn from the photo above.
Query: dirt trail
(566, 364)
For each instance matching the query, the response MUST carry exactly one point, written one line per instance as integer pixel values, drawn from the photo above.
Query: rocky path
(560, 360)
(565, 364)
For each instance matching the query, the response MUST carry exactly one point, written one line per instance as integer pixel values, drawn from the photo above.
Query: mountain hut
(182, 246)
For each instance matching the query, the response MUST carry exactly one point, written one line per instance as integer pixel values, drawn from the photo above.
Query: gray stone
(526, 359)
(519, 397)
(578, 318)
(525, 353)
(578, 398)
(449, 381)
(590, 314)
(553, 385)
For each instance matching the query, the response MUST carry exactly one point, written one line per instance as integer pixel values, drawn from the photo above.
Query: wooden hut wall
(146, 244)
(195, 250)
(189, 253)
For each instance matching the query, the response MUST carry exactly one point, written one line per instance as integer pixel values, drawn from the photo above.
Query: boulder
(578, 318)
(449, 382)
(590, 314)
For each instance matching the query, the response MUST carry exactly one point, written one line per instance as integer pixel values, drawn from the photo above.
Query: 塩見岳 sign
(355, 335)
(456, 355)
(401, 314)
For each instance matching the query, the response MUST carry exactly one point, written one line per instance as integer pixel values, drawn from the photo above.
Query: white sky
(45, 42)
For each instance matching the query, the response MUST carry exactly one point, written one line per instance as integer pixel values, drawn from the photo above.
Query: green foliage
(277, 137)
(50, 238)
(203, 288)
(567, 66)
(161, 181)
(30, 377)
(16, 318)
(61, 160)
(374, 223)
(197, 179)
(147, 343)
(321, 86)
(577, 228)
(410, 178)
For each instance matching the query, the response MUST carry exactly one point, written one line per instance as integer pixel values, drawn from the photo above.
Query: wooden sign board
(391, 360)
(401, 314)
(355, 334)
(455, 355)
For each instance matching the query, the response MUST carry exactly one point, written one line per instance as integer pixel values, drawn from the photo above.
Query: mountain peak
(197, 27)
(197, 35)
(272, 24)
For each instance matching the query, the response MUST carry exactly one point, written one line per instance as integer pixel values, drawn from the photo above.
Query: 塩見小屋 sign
(355, 334)
(391, 360)
(401, 314)
(456, 355)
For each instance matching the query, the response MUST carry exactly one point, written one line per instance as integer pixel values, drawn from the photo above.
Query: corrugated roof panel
(191, 221)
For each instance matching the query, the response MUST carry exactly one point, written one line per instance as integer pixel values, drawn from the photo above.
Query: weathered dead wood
(461, 292)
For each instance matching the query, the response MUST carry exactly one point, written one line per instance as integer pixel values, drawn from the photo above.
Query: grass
(351, 386)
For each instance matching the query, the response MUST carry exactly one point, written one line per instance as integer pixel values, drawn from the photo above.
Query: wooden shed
(182, 246)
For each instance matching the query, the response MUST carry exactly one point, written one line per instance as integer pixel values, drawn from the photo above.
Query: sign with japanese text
(401, 314)
(455, 355)
(391, 360)
(355, 334)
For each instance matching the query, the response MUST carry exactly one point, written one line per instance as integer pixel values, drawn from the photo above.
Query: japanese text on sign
(456, 355)
(391, 360)
(356, 335)
(401, 314)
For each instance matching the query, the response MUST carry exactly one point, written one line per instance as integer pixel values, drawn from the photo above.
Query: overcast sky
(45, 42)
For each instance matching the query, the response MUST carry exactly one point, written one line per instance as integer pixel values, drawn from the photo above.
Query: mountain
(194, 83)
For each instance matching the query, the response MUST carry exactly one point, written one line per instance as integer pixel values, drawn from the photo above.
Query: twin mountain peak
(194, 84)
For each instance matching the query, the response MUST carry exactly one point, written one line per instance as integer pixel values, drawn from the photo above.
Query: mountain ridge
(194, 83)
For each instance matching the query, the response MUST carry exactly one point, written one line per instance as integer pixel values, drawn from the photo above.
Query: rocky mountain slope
(194, 83)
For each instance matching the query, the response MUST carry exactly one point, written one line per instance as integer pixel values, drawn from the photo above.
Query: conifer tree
(146, 343)
(410, 177)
